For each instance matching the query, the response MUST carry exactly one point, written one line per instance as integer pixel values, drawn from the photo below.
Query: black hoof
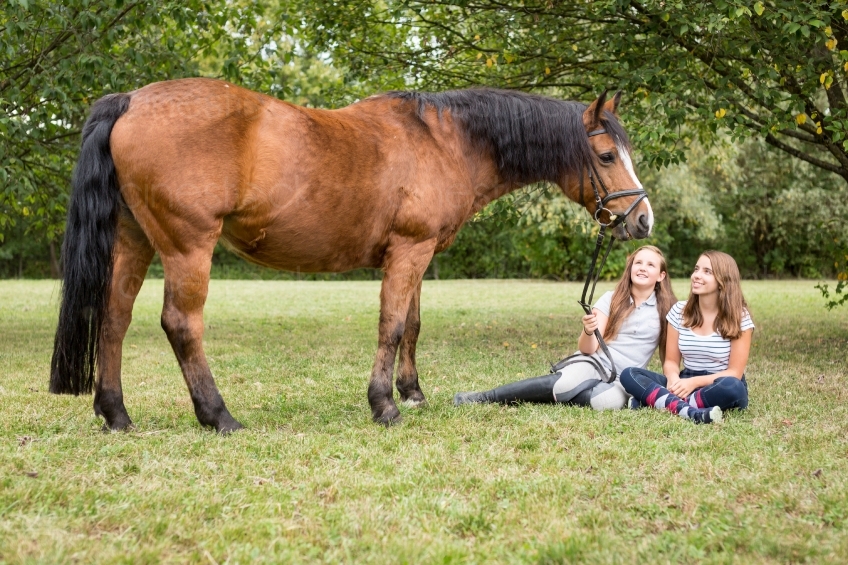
(111, 407)
(228, 427)
(124, 426)
(388, 416)
(214, 413)
(413, 399)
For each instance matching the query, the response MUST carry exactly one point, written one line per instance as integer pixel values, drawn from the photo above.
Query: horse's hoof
(388, 417)
(226, 428)
(110, 406)
(412, 399)
(126, 426)
(413, 402)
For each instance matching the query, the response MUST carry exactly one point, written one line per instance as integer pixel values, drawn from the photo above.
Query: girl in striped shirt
(711, 333)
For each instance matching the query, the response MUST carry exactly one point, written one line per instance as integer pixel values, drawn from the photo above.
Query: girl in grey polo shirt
(632, 320)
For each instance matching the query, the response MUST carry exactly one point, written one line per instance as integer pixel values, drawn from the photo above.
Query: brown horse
(176, 166)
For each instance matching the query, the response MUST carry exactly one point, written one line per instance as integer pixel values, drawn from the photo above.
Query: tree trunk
(55, 267)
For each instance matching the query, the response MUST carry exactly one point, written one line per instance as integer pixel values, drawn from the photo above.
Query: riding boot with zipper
(537, 389)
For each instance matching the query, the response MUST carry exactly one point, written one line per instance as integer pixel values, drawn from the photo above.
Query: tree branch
(773, 141)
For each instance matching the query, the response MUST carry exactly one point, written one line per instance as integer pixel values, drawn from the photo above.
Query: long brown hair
(621, 305)
(731, 304)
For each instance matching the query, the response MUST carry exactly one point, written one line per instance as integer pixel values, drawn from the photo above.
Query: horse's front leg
(404, 266)
(407, 373)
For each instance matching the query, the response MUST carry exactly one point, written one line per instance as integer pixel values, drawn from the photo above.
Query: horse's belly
(312, 250)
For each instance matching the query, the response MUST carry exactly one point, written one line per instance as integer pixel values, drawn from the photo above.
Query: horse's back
(289, 187)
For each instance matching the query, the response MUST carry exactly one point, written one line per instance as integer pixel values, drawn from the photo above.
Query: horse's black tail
(87, 252)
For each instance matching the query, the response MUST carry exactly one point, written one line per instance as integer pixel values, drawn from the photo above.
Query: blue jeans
(724, 392)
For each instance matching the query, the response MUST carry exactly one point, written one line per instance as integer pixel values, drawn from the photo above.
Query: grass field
(311, 479)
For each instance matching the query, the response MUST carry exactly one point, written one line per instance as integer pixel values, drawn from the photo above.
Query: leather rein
(614, 221)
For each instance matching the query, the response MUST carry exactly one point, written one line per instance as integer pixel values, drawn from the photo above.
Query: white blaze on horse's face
(624, 155)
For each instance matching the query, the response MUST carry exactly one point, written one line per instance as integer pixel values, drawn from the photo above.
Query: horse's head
(608, 186)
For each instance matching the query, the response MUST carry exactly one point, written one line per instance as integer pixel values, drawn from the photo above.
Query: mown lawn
(311, 479)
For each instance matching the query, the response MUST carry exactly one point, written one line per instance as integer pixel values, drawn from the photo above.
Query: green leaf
(759, 8)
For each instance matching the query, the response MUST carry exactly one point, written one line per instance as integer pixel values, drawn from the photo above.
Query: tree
(771, 69)
(59, 57)
(775, 70)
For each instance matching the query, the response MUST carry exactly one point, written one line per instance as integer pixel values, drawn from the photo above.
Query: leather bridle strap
(615, 220)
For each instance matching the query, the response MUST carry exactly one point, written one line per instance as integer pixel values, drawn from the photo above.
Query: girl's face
(703, 279)
(647, 269)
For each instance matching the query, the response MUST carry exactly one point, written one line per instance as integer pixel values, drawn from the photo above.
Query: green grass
(311, 479)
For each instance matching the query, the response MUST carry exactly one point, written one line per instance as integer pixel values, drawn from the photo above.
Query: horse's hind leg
(186, 287)
(131, 258)
(407, 373)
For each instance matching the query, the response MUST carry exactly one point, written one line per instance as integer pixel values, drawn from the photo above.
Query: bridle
(601, 203)
(614, 221)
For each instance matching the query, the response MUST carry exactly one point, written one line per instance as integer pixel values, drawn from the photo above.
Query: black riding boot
(537, 389)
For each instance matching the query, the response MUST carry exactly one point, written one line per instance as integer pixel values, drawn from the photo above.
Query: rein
(595, 268)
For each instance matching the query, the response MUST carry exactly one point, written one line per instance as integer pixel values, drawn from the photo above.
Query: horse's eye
(607, 158)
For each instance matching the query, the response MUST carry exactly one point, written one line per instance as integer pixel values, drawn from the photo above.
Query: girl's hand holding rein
(597, 320)
(590, 323)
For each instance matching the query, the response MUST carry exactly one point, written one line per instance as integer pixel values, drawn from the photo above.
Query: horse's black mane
(531, 137)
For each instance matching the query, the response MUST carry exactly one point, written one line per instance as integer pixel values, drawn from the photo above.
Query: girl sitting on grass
(631, 320)
(711, 333)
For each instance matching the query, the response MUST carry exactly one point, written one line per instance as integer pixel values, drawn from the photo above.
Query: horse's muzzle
(638, 225)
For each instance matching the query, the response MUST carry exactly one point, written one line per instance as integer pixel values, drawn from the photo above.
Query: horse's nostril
(643, 222)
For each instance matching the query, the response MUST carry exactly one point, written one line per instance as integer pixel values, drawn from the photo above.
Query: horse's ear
(612, 105)
(592, 115)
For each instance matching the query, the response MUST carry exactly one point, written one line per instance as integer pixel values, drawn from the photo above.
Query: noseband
(614, 221)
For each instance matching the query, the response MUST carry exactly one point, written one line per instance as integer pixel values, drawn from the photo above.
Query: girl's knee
(608, 396)
(732, 385)
(734, 391)
(626, 379)
(636, 378)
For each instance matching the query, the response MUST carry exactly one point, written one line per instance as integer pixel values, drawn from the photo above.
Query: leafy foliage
(696, 68)
(59, 57)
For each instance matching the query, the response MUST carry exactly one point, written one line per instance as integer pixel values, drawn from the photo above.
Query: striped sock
(696, 400)
(660, 398)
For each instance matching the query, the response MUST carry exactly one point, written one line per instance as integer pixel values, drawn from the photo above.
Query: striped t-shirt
(702, 352)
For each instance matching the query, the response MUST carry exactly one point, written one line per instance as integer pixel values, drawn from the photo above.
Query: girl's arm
(740, 348)
(671, 363)
(587, 343)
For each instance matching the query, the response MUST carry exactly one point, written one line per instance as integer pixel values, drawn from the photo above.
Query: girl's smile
(703, 279)
(647, 269)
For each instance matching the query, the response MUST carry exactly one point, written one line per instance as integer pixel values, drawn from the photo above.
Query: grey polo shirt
(638, 337)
